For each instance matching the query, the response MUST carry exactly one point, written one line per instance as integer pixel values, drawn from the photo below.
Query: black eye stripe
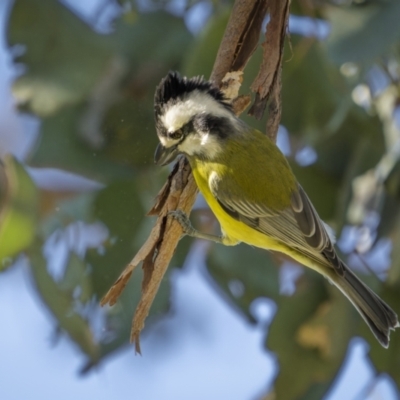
(220, 126)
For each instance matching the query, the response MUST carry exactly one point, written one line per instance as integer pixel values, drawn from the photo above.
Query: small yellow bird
(251, 189)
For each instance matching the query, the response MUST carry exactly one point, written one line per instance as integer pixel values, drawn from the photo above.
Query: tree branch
(179, 192)
(240, 39)
(267, 84)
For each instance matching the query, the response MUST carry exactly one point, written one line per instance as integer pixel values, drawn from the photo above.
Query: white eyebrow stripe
(195, 103)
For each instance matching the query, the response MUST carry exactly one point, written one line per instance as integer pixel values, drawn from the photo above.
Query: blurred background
(77, 139)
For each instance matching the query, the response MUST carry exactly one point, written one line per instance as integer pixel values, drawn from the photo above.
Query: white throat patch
(207, 146)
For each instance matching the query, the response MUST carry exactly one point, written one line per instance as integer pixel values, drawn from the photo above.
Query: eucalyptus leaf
(64, 58)
(119, 207)
(200, 58)
(142, 47)
(310, 335)
(244, 274)
(62, 304)
(18, 210)
(60, 146)
(362, 33)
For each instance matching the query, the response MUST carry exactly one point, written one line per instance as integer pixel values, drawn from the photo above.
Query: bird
(251, 189)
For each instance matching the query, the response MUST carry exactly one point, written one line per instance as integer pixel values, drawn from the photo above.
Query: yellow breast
(234, 231)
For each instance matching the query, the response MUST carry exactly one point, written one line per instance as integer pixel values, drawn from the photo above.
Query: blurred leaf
(66, 211)
(61, 147)
(312, 90)
(389, 224)
(151, 52)
(392, 182)
(128, 125)
(64, 57)
(317, 107)
(181, 252)
(358, 144)
(352, 151)
(200, 59)
(393, 220)
(310, 335)
(114, 130)
(76, 279)
(18, 212)
(119, 207)
(130, 133)
(244, 273)
(62, 304)
(362, 33)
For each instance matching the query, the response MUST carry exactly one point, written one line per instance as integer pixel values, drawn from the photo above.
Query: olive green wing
(297, 226)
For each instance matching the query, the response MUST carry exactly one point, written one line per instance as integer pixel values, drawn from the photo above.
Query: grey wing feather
(298, 226)
(314, 230)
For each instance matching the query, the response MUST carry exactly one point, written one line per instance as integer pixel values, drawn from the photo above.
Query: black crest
(174, 87)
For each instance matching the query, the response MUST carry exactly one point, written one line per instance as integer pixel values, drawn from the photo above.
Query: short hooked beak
(164, 155)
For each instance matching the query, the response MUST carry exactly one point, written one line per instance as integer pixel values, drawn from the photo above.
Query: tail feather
(380, 318)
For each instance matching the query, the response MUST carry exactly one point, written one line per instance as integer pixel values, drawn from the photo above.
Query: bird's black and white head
(192, 117)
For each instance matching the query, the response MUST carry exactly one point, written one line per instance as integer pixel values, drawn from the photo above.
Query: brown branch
(240, 39)
(179, 192)
(267, 84)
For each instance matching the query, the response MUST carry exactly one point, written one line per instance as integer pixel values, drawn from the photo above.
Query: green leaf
(61, 303)
(317, 107)
(61, 147)
(362, 33)
(147, 54)
(128, 125)
(120, 208)
(64, 57)
(200, 59)
(310, 335)
(113, 130)
(19, 210)
(129, 131)
(66, 211)
(252, 271)
(310, 90)
(350, 152)
(76, 276)
(393, 220)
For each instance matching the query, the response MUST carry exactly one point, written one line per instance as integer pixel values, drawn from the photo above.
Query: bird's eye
(176, 135)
